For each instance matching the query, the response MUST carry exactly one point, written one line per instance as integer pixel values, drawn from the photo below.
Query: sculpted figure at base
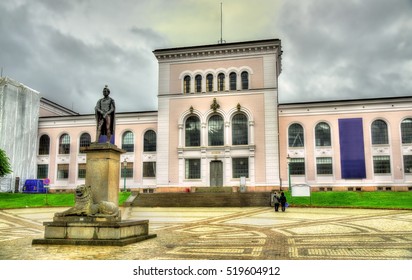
(85, 206)
(105, 116)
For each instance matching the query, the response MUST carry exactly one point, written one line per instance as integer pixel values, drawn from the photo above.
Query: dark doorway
(216, 173)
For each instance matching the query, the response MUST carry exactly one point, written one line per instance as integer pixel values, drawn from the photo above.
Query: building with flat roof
(219, 123)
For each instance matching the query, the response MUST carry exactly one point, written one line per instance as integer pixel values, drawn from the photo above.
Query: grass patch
(23, 200)
(395, 200)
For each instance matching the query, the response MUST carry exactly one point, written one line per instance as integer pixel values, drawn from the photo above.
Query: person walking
(282, 200)
(276, 201)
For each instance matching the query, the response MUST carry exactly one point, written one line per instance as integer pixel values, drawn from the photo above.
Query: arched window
(209, 82)
(221, 82)
(216, 131)
(232, 80)
(85, 141)
(198, 80)
(128, 141)
(379, 133)
(295, 136)
(64, 144)
(192, 132)
(44, 145)
(245, 80)
(239, 129)
(406, 131)
(322, 135)
(149, 141)
(186, 82)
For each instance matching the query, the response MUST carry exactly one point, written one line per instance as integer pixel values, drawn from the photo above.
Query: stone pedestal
(103, 171)
(103, 175)
(95, 231)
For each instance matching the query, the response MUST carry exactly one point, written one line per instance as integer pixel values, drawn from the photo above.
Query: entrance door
(216, 173)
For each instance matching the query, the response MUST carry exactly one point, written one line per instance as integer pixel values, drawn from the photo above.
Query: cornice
(220, 50)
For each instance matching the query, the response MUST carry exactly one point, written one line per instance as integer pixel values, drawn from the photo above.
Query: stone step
(251, 199)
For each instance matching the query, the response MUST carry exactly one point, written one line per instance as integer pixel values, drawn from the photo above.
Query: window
(192, 168)
(295, 136)
(64, 144)
(406, 130)
(239, 129)
(198, 80)
(245, 80)
(221, 82)
(81, 172)
(324, 166)
(62, 171)
(322, 135)
(85, 141)
(186, 84)
(42, 171)
(297, 166)
(192, 132)
(381, 165)
(232, 80)
(149, 169)
(379, 133)
(209, 82)
(149, 141)
(215, 131)
(240, 167)
(128, 141)
(407, 164)
(128, 170)
(44, 145)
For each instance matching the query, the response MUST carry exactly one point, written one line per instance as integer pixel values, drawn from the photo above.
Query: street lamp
(124, 174)
(288, 160)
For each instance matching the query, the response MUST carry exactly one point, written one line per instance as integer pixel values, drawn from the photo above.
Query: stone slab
(116, 233)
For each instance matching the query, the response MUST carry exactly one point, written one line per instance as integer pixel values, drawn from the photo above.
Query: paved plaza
(252, 233)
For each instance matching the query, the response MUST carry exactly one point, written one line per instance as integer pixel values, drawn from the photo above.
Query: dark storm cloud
(71, 71)
(345, 49)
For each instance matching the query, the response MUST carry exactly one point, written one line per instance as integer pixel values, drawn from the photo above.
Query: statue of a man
(105, 116)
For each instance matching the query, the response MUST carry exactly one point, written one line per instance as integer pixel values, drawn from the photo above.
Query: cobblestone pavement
(255, 233)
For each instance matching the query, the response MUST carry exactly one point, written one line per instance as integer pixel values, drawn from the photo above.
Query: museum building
(219, 123)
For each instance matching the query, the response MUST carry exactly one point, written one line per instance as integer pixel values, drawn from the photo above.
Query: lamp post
(290, 186)
(124, 174)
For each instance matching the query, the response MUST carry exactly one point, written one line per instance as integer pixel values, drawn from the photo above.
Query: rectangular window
(127, 171)
(149, 169)
(81, 172)
(381, 165)
(192, 169)
(240, 167)
(297, 166)
(42, 171)
(324, 166)
(62, 171)
(407, 164)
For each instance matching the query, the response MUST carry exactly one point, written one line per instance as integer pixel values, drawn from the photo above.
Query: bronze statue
(105, 116)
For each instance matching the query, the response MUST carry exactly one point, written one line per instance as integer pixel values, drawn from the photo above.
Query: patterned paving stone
(256, 233)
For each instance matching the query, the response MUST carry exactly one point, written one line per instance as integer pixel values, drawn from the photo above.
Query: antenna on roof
(221, 41)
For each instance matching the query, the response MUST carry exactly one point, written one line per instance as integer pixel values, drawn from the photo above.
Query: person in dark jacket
(276, 201)
(282, 200)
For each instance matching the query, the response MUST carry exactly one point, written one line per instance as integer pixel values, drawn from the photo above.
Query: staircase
(198, 199)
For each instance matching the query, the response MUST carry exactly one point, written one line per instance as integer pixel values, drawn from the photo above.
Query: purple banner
(352, 152)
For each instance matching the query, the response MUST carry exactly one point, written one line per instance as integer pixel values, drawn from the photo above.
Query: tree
(5, 167)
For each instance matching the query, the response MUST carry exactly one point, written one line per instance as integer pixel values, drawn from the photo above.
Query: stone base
(85, 231)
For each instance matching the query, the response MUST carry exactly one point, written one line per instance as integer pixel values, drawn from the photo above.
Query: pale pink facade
(219, 124)
(386, 158)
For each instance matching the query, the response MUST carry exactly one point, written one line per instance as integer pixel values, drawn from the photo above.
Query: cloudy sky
(69, 49)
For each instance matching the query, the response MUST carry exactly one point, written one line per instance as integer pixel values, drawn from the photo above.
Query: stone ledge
(95, 233)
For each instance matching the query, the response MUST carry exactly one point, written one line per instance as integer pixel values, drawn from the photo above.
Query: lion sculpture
(85, 206)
